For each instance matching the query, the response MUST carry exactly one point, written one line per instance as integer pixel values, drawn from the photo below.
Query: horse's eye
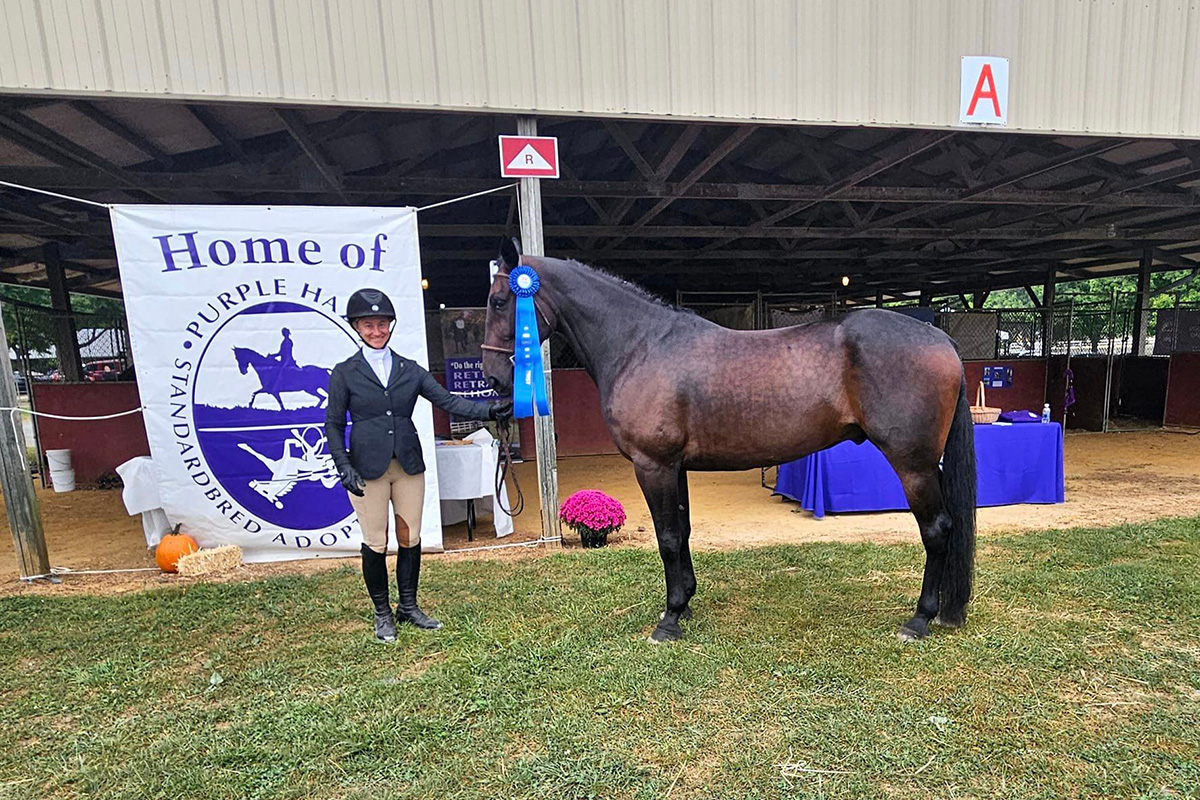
(498, 303)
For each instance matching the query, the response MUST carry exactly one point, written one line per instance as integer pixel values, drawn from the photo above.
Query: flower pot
(590, 538)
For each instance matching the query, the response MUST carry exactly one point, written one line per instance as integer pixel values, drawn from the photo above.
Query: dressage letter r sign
(983, 96)
(528, 157)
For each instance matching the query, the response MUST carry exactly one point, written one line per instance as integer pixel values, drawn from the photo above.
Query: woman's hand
(500, 410)
(352, 481)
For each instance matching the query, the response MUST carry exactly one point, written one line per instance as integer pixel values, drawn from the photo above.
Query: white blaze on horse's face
(375, 331)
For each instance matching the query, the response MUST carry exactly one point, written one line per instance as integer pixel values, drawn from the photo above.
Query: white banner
(218, 298)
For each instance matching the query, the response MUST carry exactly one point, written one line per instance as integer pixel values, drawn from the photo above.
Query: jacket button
(389, 433)
(389, 413)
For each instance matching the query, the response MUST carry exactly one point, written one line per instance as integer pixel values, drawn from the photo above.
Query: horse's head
(499, 331)
(243, 361)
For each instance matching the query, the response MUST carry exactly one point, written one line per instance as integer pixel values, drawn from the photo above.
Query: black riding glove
(500, 410)
(351, 480)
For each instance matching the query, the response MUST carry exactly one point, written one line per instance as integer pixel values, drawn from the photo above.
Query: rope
(464, 197)
(57, 571)
(12, 416)
(534, 543)
(105, 206)
(31, 412)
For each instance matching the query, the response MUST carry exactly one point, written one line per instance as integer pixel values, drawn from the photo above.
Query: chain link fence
(34, 333)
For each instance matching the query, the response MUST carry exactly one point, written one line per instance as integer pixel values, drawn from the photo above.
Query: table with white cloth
(467, 472)
(140, 494)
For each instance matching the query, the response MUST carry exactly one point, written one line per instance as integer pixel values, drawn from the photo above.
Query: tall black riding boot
(408, 574)
(374, 567)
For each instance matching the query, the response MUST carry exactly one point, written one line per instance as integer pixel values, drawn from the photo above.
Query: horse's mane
(627, 285)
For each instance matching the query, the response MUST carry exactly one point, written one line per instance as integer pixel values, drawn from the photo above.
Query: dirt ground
(1111, 479)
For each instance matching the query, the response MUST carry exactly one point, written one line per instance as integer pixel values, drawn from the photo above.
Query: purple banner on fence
(465, 376)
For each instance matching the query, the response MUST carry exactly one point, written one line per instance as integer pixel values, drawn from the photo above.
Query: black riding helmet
(369, 303)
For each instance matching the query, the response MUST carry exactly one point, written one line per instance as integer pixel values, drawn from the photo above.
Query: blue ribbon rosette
(529, 374)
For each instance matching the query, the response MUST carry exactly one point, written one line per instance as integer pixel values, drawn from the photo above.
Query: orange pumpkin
(171, 548)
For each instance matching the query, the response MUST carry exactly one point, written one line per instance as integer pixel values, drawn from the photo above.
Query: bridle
(504, 464)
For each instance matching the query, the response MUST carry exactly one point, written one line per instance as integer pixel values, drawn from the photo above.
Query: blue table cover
(1016, 464)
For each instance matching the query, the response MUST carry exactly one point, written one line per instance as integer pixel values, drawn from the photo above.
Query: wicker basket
(981, 412)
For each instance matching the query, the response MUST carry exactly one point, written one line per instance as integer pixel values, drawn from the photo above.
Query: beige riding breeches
(406, 493)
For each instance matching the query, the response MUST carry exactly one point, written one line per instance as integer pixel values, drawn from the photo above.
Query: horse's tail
(959, 494)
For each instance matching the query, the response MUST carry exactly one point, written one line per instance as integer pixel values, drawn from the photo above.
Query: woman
(379, 389)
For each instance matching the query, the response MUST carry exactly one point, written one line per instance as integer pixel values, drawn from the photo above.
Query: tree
(36, 317)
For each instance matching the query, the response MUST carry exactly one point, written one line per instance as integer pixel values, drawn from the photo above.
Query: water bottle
(1046, 413)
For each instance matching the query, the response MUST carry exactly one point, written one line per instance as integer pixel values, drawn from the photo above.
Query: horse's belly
(764, 439)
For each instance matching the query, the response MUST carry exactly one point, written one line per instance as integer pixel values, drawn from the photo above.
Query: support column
(1141, 304)
(926, 299)
(1048, 312)
(530, 192)
(66, 339)
(879, 299)
(24, 518)
(978, 300)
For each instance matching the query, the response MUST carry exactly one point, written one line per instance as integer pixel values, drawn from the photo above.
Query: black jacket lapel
(397, 369)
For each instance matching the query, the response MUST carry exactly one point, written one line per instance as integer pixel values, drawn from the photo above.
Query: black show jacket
(382, 416)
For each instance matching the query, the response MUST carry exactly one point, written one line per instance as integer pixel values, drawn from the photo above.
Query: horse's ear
(510, 253)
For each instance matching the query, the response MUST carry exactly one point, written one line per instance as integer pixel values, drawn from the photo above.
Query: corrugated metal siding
(1128, 67)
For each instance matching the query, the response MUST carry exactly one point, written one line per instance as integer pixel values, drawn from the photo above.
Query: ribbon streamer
(529, 374)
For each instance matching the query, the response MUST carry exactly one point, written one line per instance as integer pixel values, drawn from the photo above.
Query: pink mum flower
(593, 511)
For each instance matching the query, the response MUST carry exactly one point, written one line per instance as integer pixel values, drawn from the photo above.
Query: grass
(1077, 676)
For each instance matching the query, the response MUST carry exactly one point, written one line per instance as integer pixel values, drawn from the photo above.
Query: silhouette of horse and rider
(278, 373)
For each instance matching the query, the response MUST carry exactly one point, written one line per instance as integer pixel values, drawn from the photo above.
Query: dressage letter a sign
(983, 96)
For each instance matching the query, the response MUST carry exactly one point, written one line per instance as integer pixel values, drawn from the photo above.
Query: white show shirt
(380, 362)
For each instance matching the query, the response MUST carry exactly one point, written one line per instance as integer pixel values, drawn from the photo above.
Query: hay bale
(208, 562)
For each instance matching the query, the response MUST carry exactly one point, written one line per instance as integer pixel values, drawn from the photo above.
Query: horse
(275, 378)
(679, 393)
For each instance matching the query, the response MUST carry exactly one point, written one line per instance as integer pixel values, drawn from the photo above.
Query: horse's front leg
(661, 486)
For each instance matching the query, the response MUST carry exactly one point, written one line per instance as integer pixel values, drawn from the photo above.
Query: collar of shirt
(380, 362)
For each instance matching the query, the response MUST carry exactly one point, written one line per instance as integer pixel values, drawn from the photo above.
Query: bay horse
(275, 378)
(680, 393)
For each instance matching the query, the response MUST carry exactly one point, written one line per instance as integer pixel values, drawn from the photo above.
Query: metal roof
(673, 205)
(1086, 67)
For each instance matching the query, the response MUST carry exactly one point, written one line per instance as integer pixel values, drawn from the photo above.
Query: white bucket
(58, 460)
(63, 480)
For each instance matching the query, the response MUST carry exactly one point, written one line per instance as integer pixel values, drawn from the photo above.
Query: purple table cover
(1016, 464)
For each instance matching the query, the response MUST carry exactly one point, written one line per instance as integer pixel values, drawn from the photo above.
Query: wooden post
(24, 518)
(530, 194)
(66, 339)
(1141, 304)
(879, 299)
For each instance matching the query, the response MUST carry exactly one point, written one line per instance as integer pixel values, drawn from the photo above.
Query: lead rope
(504, 467)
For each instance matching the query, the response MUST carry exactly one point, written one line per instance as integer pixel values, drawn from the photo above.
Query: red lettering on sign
(980, 93)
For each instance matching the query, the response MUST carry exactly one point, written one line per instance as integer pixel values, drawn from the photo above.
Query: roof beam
(219, 132)
(76, 179)
(122, 131)
(731, 142)
(630, 149)
(299, 131)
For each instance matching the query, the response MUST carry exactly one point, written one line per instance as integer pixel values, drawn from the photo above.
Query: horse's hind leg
(923, 489)
(661, 486)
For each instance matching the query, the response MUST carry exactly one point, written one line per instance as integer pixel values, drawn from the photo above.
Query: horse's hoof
(950, 622)
(663, 635)
(914, 630)
(686, 614)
